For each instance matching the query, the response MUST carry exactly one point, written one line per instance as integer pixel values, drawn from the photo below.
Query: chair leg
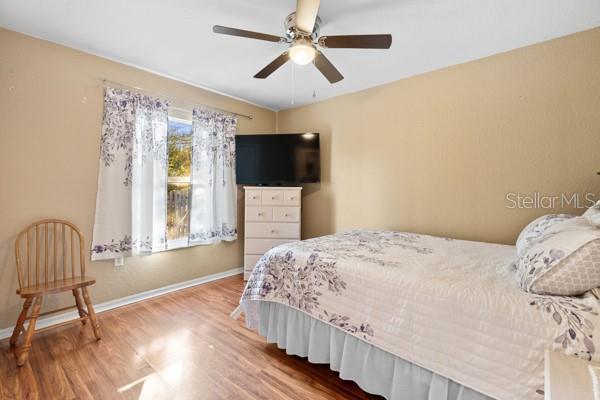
(79, 304)
(24, 351)
(19, 326)
(91, 312)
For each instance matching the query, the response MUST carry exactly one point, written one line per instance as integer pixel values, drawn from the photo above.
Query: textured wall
(437, 153)
(50, 112)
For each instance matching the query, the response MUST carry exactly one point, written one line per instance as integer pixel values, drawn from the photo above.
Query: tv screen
(277, 159)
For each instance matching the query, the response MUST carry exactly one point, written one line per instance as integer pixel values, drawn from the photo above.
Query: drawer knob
(261, 213)
(272, 197)
(254, 197)
(292, 198)
(273, 230)
(286, 215)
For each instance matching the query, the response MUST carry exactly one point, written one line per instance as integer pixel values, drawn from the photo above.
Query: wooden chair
(47, 264)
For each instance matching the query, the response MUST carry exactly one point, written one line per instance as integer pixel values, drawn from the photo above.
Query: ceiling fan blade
(247, 34)
(327, 68)
(356, 41)
(272, 67)
(306, 14)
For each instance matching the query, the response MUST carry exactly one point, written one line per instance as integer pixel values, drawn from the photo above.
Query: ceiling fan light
(302, 53)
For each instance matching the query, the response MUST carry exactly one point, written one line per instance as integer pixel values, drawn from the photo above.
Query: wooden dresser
(272, 217)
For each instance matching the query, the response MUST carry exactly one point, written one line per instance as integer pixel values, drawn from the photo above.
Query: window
(179, 184)
(146, 204)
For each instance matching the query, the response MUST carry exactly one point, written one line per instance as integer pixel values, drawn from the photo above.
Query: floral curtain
(213, 215)
(132, 179)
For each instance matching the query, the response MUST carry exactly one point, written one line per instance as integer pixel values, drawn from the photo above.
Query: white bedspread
(450, 306)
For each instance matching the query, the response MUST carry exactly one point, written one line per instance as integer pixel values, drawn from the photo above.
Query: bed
(411, 316)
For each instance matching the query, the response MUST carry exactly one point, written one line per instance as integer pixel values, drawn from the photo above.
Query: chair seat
(61, 285)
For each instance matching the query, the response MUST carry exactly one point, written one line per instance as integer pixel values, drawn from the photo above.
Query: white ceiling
(174, 37)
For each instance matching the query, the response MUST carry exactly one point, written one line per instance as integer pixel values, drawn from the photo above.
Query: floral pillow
(535, 229)
(565, 260)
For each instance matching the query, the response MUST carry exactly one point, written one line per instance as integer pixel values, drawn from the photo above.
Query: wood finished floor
(179, 346)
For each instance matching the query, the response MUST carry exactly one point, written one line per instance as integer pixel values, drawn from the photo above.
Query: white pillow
(565, 260)
(536, 228)
(593, 215)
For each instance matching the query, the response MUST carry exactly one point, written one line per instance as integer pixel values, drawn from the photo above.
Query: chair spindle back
(48, 251)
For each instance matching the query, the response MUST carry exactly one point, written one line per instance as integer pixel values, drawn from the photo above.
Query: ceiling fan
(302, 36)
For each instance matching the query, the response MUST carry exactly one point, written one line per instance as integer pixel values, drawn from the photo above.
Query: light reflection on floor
(157, 385)
(162, 383)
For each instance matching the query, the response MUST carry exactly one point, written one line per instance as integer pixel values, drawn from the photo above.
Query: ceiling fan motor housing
(292, 32)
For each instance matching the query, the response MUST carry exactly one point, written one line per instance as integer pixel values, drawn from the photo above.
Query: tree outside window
(179, 186)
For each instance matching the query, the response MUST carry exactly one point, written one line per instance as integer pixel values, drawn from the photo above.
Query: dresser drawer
(272, 230)
(253, 197)
(291, 198)
(261, 246)
(286, 214)
(273, 197)
(250, 261)
(259, 214)
(272, 218)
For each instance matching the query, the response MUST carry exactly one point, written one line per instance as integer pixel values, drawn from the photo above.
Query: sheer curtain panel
(213, 216)
(131, 201)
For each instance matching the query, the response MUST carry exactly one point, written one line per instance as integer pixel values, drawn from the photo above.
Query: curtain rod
(106, 81)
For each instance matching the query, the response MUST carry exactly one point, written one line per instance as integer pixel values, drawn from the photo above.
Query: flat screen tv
(277, 159)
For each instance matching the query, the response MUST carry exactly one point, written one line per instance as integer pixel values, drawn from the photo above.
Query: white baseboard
(111, 304)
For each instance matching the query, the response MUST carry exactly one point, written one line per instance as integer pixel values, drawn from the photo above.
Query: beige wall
(437, 153)
(50, 116)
